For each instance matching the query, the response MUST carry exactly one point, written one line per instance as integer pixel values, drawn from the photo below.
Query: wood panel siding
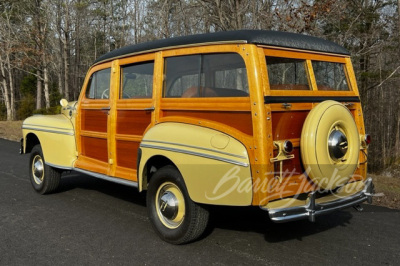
(239, 120)
(132, 122)
(287, 124)
(94, 120)
(95, 148)
(127, 153)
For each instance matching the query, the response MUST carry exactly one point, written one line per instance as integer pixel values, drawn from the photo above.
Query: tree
(56, 41)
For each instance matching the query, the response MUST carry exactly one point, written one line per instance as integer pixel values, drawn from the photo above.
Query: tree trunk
(38, 90)
(66, 53)
(75, 85)
(66, 66)
(5, 92)
(397, 143)
(46, 83)
(60, 55)
(11, 87)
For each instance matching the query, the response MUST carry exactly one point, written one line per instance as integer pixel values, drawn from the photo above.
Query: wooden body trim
(253, 128)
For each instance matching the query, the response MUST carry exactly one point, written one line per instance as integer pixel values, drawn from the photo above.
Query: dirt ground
(11, 130)
(387, 186)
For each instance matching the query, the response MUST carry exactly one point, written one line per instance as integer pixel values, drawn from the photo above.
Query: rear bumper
(314, 207)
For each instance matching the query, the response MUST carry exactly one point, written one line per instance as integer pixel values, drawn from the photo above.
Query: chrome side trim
(59, 167)
(196, 147)
(108, 178)
(49, 131)
(62, 128)
(194, 154)
(313, 209)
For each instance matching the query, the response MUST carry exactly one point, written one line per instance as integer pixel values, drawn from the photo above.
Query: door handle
(150, 109)
(106, 110)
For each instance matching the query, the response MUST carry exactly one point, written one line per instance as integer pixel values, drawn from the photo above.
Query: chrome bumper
(315, 207)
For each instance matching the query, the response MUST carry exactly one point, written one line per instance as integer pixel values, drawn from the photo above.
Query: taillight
(367, 139)
(287, 146)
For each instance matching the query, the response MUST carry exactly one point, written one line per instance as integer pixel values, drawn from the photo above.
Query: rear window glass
(205, 75)
(287, 73)
(330, 76)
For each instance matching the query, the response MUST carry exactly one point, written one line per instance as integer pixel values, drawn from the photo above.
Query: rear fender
(215, 167)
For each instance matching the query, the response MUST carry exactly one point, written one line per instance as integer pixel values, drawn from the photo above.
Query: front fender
(55, 134)
(215, 167)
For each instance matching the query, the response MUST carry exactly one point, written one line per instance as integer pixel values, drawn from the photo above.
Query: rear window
(205, 75)
(287, 73)
(330, 76)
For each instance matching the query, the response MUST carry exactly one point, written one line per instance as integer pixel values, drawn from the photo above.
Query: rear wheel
(175, 217)
(44, 178)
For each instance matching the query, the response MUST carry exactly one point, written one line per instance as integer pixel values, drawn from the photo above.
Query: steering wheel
(105, 94)
(126, 95)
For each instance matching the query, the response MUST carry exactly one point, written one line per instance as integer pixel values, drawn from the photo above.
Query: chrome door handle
(106, 110)
(150, 109)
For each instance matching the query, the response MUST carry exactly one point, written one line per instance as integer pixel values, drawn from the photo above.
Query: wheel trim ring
(179, 217)
(38, 169)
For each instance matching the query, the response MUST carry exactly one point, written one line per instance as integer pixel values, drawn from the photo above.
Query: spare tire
(330, 145)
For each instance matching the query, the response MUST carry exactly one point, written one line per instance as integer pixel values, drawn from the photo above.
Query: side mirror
(63, 102)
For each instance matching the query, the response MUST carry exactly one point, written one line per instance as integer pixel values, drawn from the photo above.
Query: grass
(387, 188)
(11, 130)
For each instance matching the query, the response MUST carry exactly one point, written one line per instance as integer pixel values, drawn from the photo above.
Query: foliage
(54, 110)
(26, 107)
(28, 85)
(3, 115)
(46, 46)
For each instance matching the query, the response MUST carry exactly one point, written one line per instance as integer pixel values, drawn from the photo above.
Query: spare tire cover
(330, 145)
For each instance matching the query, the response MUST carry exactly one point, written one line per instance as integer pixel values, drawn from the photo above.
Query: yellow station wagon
(237, 118)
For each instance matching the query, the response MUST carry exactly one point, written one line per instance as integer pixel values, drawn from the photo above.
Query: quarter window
(330, 76)
(287, 73)
(99, 85)
(206, 75)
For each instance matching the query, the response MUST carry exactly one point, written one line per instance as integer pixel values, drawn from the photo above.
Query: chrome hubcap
(170, 205)
(337, 144)
(38, 169)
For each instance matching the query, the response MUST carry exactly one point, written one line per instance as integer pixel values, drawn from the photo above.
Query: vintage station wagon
(235, 118)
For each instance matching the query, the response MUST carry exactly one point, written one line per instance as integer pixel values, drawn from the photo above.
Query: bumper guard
(314, 207)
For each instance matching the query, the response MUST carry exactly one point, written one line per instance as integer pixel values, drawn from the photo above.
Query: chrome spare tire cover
(330, 145)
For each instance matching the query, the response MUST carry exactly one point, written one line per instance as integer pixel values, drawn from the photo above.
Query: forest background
(46, 47)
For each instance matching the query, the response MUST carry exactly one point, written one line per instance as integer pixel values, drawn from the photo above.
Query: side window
(330, 76)
(205, 75)
(137, 80)
(287, 73)
(99, 85)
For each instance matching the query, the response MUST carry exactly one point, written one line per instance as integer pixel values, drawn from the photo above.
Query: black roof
(270, 38)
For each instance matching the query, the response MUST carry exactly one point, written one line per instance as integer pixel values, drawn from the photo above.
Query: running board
(108, 178)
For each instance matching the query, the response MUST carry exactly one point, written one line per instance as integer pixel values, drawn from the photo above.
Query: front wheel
(175, 217)
(44, 178)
